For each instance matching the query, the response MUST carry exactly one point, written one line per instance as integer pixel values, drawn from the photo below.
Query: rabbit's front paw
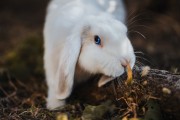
(53, 103)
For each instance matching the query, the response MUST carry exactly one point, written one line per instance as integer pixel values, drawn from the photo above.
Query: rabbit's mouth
(128, 73)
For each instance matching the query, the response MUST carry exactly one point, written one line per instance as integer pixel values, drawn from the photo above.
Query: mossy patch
(26, 59)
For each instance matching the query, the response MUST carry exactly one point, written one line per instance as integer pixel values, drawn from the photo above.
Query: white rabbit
(83, 38)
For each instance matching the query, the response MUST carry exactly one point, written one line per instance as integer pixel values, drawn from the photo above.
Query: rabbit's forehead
(109, 33)
(107, 27)
(110, 25)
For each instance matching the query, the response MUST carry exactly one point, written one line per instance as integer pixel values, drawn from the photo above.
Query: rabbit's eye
(97, 40)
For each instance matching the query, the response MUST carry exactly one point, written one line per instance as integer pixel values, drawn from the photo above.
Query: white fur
(70, 50)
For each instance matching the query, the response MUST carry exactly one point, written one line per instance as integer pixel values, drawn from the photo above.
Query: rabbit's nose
(124, 63)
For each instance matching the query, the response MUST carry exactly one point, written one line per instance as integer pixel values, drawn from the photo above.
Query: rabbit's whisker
(135, 31)
(135, 26)
(139, 57)
(131, 19)
(139, 52)
(139, 63)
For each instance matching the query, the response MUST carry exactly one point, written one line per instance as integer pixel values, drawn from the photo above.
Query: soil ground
(154, 30)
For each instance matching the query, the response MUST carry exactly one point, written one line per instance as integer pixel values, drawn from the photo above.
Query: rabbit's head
(106, 48)
(100, 46)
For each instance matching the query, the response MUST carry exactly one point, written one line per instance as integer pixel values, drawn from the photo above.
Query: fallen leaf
(62, 116)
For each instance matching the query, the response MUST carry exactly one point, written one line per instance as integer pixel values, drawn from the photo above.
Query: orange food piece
(129, 74)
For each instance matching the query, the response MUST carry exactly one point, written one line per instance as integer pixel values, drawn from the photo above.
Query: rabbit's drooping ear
(103, 80)
(66, 67)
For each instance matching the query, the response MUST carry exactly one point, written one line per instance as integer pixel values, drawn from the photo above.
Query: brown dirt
(154, 29)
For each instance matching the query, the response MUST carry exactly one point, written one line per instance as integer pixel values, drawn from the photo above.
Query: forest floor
(155, 96)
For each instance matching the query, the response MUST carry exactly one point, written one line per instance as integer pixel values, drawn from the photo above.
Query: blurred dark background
(154, 29)
(155, 26)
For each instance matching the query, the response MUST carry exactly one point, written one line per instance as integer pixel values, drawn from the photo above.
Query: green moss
(26, 60)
